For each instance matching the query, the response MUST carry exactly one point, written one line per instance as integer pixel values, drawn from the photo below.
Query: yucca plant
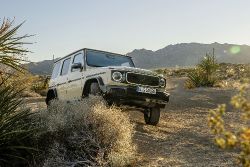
(11, 46)
(204, 74)
(16, 128)
(194, 79)
(208, 67)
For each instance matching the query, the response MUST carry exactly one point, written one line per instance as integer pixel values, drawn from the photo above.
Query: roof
(88, 49)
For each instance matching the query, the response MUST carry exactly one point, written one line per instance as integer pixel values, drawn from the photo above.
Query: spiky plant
(194, 79)
(15, 125)
(11, 46)
(208, 66)
(16, 128)
(204, 74)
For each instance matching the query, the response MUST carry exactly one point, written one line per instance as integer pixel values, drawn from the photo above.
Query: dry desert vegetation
(182, 137)
(91, 133)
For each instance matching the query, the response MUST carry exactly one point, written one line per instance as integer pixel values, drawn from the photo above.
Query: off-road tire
(50, 96)
(95, 89)
(152, 116)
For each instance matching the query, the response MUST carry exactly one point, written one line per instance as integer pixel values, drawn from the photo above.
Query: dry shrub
(23, 81)
(85, 133)
(33, 85)
(233, 75)
(230, 83)
(175, 72)
(115, 131)
(238, 139)
(40, 85)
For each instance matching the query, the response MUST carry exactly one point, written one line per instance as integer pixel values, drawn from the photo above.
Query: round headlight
(162, 82)
(117, 76)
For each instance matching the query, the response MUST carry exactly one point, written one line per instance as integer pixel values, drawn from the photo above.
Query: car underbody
(127, 95)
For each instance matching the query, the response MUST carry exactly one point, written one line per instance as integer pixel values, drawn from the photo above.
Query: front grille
(142, 79)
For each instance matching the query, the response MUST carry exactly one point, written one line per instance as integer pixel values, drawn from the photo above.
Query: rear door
(62, 84)
(75, 77)
(54, 77)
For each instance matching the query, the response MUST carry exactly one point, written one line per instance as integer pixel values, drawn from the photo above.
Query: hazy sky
(63, 26)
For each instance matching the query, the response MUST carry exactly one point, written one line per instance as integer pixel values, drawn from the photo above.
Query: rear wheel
(95, 89)
(50, 96)
(152, 116)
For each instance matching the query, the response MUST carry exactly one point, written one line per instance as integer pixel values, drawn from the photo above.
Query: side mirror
(76, 66)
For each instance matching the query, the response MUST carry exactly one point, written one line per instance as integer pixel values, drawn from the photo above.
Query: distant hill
(184, 54)
(188, 54)
(40, 68)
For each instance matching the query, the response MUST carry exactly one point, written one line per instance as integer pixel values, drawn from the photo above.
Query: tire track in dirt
(182, 137)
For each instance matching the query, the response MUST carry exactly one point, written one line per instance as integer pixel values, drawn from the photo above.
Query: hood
(132, 69)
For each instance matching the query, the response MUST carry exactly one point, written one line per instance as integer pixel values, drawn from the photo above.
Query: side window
(77, 59)
(65, 66)
(56, 70)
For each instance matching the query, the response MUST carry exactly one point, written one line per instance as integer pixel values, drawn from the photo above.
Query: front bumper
(128, 95)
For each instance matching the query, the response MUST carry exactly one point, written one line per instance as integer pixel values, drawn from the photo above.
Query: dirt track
(182, 138)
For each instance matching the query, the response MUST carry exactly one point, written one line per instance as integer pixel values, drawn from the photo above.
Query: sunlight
(235, 49)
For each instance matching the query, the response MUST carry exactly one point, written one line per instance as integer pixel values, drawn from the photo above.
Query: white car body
(72, 76)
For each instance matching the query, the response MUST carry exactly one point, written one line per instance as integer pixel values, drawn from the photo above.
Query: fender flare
(100, 81)
(86, 86)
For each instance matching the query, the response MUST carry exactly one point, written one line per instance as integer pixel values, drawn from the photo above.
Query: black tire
(95, 89)
(152, 116)
(50, 96)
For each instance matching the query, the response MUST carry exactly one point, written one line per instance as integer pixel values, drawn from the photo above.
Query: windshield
(102, 59)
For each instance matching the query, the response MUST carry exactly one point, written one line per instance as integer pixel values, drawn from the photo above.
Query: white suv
(110, 75)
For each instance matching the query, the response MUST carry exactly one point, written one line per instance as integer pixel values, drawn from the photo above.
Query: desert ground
(182, 138)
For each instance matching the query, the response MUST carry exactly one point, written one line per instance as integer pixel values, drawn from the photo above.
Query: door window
(77, 59)
(65, 66)
(56, 70)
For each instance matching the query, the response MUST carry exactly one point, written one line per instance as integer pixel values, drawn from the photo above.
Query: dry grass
(175, 72)
(229, 75)
(114, 130)
(182, 137)
(233, 75)
(32, 86)
(85, 133)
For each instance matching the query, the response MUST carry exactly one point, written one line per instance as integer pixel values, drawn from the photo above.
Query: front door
(75, 78)
(62, 84)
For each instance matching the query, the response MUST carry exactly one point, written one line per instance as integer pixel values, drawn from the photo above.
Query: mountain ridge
(181, 54)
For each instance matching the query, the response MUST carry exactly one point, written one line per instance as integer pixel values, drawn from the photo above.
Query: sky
(63, 26)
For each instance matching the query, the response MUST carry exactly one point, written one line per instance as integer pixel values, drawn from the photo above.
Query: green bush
(16, 129)
(204, 74)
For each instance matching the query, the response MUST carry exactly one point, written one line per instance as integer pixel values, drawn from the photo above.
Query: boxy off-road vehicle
(110, 75)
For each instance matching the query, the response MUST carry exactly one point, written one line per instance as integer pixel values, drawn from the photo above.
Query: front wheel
(95, 89)
(152, 116)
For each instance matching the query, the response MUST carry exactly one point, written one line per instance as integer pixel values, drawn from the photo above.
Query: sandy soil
(182, 137)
